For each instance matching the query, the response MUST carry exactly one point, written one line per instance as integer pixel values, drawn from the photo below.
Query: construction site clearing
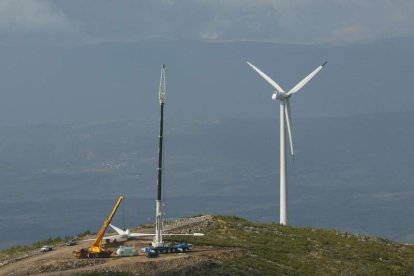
(60, 260)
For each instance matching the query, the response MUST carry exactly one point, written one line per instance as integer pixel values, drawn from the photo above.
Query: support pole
(283, 175)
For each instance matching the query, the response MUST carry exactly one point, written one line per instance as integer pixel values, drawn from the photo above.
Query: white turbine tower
(285, 116)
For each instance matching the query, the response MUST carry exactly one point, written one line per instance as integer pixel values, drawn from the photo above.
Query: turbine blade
(137, 235)
(288, 117)
(303, 82)
(118, 230)
(267, 78)
(186, 234)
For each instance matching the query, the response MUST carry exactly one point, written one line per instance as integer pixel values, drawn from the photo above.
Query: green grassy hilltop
(273, 249)
(235, 246)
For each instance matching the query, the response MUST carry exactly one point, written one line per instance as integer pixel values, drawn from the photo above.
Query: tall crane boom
(158, 222)
(97, 244)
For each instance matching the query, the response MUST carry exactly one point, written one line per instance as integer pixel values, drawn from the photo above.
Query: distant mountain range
(350, 173)
(119, 81)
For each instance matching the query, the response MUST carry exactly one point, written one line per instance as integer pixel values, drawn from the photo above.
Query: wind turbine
(285, 116)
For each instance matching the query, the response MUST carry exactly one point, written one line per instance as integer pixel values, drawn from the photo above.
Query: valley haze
(61, 179)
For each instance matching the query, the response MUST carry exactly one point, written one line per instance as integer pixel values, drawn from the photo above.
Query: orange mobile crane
(97, 250)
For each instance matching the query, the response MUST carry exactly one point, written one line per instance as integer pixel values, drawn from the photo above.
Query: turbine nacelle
(279, 96)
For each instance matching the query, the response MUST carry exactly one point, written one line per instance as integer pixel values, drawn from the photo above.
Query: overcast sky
(117, 81)
(76, 22)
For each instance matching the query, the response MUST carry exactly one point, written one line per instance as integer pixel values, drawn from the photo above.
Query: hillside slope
(274, 249)
(234, 246)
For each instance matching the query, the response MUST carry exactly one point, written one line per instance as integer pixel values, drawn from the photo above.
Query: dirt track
(60, 261)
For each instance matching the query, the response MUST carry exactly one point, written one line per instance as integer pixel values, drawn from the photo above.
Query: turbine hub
(279, 96)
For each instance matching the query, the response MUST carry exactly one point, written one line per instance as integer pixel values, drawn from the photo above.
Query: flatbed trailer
(151, 251)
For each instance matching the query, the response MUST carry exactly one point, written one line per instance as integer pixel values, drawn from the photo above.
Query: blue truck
(151, 251)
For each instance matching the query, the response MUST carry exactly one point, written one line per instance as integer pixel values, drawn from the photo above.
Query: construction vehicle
(152, 251)
(97, 250)
(158, 246)
(126, 251)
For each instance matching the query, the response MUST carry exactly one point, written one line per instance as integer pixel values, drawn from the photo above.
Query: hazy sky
(119, 80)
(76, 22)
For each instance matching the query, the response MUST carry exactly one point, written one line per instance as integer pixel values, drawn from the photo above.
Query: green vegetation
(51, 242)
(272, 249)
(85, 233)
(36, 245)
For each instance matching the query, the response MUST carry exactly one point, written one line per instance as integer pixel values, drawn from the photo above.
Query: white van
(125, 251)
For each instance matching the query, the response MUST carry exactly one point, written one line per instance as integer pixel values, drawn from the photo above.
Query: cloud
(372, 20)
(279, 21)
(310, 22)
(353, 33)
(17, 16)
